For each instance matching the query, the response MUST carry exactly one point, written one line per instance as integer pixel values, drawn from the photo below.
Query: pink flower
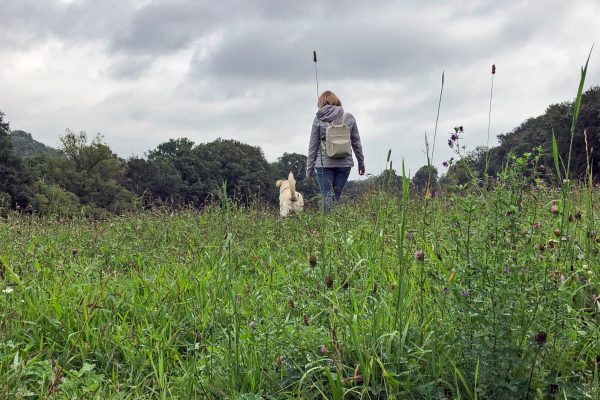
(419, 255)
(323, 349)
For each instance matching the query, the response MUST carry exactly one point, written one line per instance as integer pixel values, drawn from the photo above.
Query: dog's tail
(292, 183)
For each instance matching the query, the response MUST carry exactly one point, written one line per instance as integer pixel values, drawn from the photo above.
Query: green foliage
(14, 179)
(422, 176)
(224, 303)
(24, 145)
(537, 132)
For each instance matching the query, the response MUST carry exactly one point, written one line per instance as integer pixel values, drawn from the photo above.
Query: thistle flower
(74, 251)
(329, 281)
(8, 290)
(554, 208)
(419, 255)
(454, 137)
(536, 225)
(445, 164)
(540, 338)
(557, 232)
(450, 143)
(493, 69)
(312, 260)
(278, 360)
(323, 349)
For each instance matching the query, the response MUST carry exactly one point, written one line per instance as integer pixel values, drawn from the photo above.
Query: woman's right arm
(313, 148)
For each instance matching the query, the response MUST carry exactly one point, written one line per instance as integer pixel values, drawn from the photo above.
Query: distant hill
(25, 145)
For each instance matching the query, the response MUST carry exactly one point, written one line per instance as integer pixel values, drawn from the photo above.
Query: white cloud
(141, 72)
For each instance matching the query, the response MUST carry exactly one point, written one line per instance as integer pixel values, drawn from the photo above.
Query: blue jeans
(332, 182)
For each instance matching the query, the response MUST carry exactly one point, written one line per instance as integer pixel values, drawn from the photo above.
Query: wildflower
(252, 324)
(445, 164)
(493, 69)
(410, 236)
(506, 270)
(278, 360)
(464, 293)
(557, 232)
(577, 215)
(8, 290)
(460, 129)
(554, 208)
(323, 349)
(536, 225)
(74, 251)
(419, 255)
(450, 143)
(454, 137)
(312, 260)
(329, 281)
(445, 289)
(540, 338)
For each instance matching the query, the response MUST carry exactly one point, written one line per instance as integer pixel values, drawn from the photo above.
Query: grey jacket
(326, 114)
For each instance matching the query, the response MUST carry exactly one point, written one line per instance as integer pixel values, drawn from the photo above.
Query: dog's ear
(278, 183)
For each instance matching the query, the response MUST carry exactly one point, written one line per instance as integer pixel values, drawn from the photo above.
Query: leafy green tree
(89, 170)
(14, 180)
(422, 176)
(295, 163)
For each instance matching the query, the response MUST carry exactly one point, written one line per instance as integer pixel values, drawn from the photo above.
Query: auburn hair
(328, 98)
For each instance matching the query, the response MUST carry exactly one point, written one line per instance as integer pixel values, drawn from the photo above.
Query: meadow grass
(391, 296)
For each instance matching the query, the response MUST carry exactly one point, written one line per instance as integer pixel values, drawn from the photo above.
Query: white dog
(289, 199)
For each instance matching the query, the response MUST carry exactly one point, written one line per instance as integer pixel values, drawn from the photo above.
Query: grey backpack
(337, 143)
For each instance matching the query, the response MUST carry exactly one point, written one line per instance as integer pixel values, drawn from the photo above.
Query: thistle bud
(312, 260)
(419, 255)
(314, 55)
(493, 69)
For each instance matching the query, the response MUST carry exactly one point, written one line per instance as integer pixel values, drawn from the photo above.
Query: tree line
(84, 176)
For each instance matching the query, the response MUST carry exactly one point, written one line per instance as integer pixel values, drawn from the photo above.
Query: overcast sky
(143, 71)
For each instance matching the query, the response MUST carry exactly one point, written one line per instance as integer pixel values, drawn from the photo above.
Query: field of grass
(489, 294)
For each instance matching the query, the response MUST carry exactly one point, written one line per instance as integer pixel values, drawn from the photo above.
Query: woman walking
(332, 164)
